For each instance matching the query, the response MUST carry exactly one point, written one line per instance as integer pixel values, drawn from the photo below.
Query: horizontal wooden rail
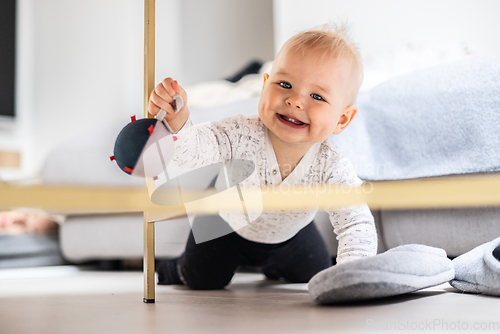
(448, 192)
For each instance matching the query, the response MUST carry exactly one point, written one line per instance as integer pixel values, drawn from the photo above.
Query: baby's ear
(346, 118)
(266, 76)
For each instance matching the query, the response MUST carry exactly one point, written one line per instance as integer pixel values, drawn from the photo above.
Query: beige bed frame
(470, 191)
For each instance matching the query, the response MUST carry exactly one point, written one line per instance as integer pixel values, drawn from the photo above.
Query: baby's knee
(206, 284)
(297, 277)
(304, 275)
(197, 281)
(286, 276)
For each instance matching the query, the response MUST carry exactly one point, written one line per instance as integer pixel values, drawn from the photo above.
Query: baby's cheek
(321, 131)
(261, 107)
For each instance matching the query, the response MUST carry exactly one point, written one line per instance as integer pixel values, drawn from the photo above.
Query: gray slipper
(399, 270)
(478, 270)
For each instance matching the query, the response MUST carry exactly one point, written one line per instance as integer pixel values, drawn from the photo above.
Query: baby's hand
(162, 98)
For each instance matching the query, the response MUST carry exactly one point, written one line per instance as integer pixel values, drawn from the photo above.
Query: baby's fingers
(162, 97)
(157, 102)
(179, 90)
(167, 87)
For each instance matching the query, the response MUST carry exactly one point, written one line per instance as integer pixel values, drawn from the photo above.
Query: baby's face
(304, 97)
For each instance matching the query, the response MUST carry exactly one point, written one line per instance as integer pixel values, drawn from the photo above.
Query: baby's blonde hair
(332, 41)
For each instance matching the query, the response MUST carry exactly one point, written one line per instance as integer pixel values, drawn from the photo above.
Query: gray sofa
(431, 123)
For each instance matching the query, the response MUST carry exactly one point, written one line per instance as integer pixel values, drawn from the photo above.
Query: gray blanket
(438, 121)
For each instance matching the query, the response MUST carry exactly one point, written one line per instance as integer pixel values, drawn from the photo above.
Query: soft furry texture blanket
(438, 121)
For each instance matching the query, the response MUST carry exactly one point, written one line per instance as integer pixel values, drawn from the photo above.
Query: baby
(309, 94)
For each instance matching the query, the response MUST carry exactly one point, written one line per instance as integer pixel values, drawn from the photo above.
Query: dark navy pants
(212, 264)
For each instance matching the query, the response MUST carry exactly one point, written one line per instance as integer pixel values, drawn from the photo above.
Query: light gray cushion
(119, 236)
(399, 270)
(456, 230)
(478, 271)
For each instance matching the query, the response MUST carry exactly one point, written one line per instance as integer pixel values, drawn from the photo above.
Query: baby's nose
(295, 101)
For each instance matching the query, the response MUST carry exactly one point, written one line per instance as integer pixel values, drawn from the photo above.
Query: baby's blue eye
(285, 84)
(317, 97)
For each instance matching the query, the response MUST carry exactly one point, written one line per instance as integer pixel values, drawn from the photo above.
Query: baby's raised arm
(195, 147)
(162, 98)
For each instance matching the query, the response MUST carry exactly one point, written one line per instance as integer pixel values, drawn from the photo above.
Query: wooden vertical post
(149, 52)
(149, 260)
(149, 81)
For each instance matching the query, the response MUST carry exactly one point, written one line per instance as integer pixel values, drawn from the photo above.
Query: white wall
(397, 36)
(80, 62)
(79, 66)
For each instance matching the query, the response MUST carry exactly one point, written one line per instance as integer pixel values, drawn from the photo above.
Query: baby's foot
(168, 273)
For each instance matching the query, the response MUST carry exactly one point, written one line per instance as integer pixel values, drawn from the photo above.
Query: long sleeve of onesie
(199, 146)
(353, 225)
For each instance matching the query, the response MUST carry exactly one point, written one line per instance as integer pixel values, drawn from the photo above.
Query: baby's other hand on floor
(18, 223)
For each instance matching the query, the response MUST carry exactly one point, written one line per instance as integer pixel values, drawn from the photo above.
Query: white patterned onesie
(247, 138)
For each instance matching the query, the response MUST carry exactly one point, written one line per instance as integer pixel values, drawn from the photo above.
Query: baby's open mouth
(291, 120)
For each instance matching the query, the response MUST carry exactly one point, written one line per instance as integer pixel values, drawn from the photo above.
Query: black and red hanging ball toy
(144, 147)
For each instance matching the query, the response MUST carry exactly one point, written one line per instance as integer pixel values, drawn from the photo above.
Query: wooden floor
(72, 300)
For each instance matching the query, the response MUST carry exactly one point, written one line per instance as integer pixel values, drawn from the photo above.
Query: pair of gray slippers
(406, 269)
